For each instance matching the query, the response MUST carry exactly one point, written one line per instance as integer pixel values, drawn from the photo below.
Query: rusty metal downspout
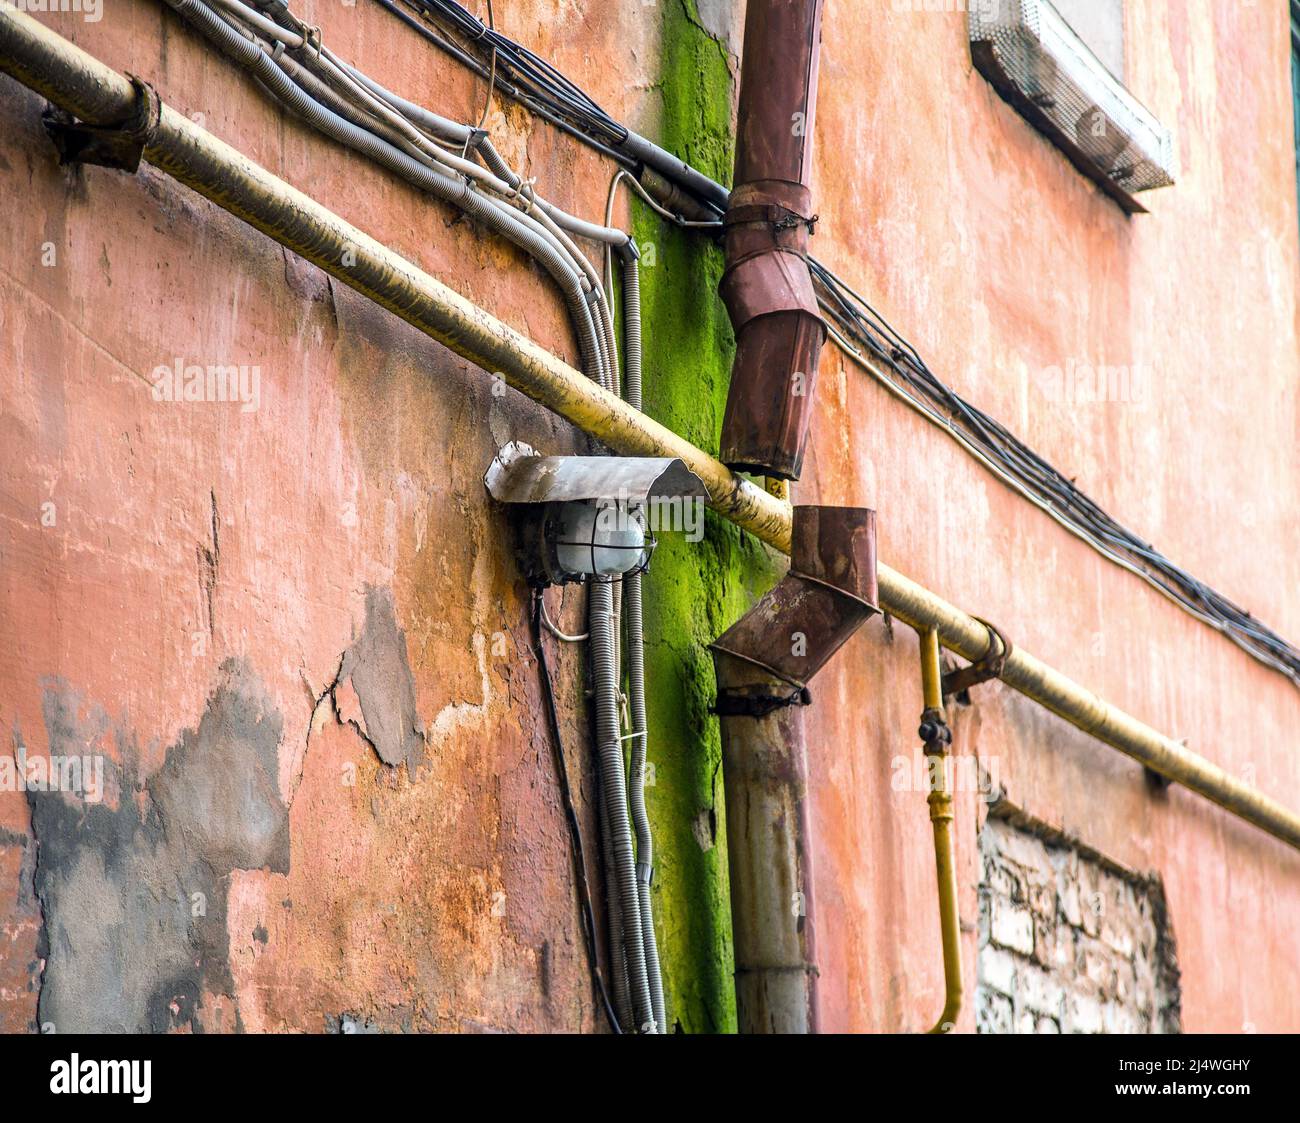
(767, 287)
(763, 665)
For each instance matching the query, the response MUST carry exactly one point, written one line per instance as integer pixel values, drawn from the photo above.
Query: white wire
(546, 623)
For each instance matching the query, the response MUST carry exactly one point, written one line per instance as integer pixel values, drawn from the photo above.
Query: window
(1065, 80)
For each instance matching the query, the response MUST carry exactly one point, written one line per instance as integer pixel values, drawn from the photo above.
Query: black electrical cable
(540, 87)
(571, 815)
(530, 69)
(505, 86)
(527, 71)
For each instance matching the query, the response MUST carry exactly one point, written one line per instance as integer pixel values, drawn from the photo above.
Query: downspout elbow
(829, 591)
(763, 664)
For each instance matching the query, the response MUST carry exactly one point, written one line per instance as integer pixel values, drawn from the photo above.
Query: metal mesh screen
(1029, 52)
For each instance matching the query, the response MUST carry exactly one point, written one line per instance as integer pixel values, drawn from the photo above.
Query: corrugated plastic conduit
(636, 668)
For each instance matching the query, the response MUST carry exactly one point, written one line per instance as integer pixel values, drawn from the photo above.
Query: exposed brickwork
(1068, 942)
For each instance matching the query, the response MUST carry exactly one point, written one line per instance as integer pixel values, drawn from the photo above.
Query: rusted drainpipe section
(937, 737)
(763, 665)
(767, 288)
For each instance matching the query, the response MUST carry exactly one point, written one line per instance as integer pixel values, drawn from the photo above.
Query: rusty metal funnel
(828, 593)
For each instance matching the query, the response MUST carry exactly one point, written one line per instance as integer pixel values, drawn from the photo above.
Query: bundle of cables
(528, 73)
(517, 73)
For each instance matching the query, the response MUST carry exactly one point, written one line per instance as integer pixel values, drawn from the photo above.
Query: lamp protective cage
(599, 539)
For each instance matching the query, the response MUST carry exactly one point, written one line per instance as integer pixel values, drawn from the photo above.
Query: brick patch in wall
(1068, 941)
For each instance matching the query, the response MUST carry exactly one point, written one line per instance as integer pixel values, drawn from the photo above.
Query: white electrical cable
(546, 623)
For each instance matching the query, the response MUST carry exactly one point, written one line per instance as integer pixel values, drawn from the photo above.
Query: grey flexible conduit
(443, 126)
(609, 752)
(514, 227)
(636, 671)
(613, 902)
(621, 873)
(324, 93)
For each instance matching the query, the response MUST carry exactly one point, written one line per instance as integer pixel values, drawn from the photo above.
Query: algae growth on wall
(694, 590)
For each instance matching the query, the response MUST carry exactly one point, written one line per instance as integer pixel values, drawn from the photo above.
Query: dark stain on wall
(133, 890)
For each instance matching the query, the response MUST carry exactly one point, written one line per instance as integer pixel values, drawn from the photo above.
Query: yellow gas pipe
(937, 737)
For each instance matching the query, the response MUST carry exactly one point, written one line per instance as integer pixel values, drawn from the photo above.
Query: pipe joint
(628, 252)
(935, 732)
(765, 226)
(675, 199)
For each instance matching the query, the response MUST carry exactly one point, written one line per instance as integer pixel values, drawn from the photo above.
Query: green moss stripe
(693, 590)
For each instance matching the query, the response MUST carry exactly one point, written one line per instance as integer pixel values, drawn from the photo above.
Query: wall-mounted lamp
(587, 517)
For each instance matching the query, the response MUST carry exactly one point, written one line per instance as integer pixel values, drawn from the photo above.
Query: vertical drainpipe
(767, 288)
(763, 665)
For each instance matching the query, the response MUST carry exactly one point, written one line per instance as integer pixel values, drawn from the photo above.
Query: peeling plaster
(133, 894)
(376, 673)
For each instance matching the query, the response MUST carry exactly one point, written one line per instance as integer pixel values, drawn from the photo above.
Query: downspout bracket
(747, 702)
(769, 214)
